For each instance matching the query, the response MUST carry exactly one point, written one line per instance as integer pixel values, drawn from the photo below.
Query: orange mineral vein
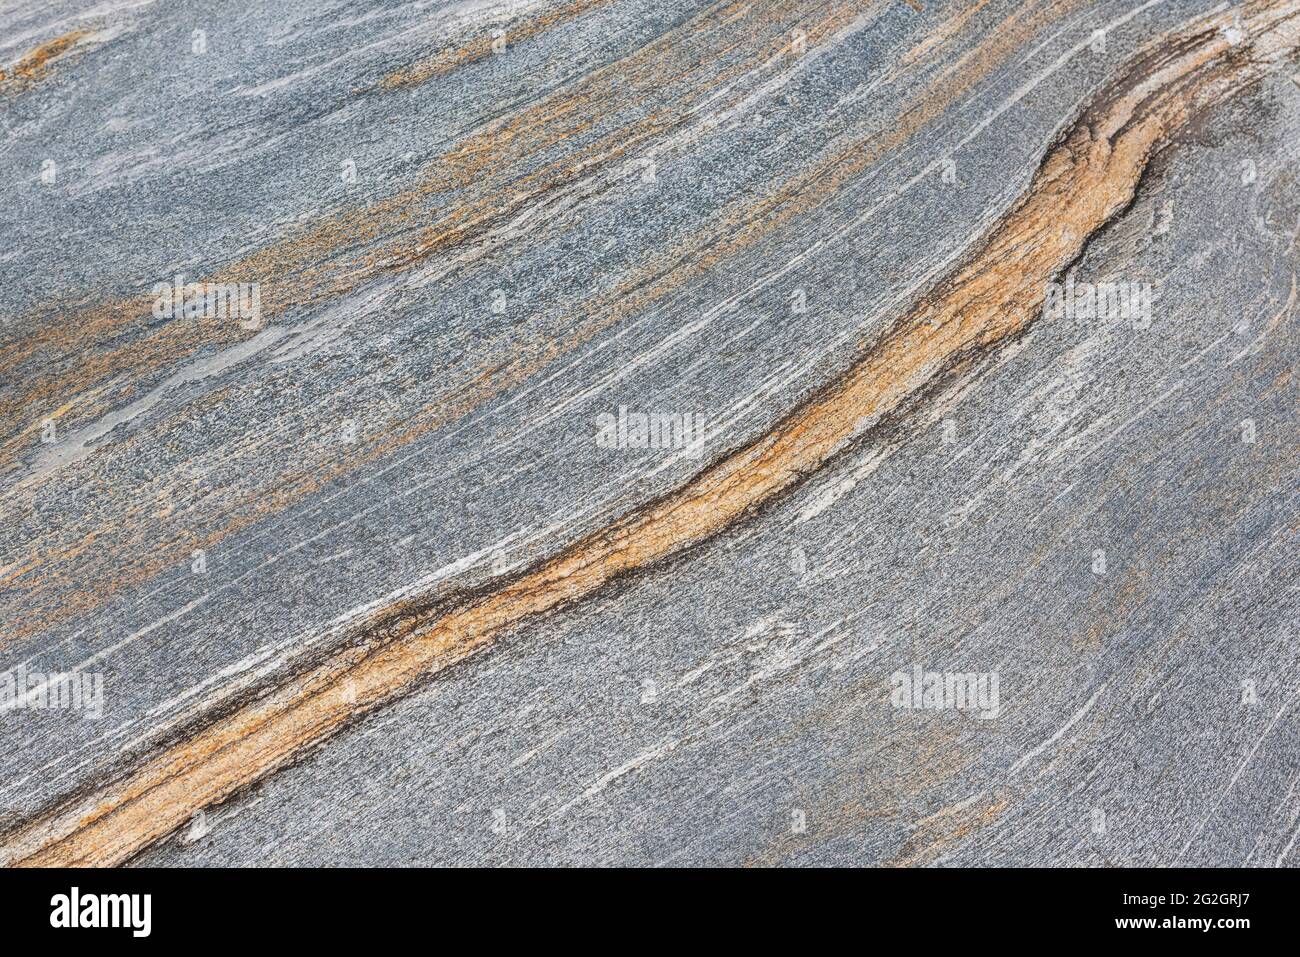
(1089, 176)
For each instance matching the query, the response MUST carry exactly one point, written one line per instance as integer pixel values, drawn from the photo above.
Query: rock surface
(969, 333)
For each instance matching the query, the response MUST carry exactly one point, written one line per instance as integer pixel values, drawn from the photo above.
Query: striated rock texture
(650, 432)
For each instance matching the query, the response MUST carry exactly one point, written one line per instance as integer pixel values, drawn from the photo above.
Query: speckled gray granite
(366, 562)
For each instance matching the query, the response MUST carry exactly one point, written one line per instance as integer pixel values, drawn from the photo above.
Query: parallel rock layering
(954, 522)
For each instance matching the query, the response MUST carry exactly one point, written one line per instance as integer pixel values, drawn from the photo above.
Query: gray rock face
(645, 432)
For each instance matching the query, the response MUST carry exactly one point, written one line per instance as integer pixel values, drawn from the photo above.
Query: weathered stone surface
(367, 570)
